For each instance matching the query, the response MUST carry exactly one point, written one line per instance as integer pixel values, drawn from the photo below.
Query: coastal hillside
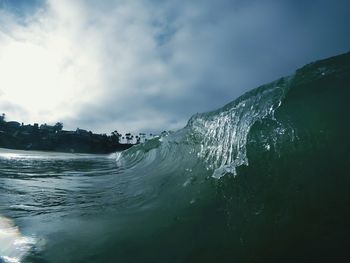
(14, 135)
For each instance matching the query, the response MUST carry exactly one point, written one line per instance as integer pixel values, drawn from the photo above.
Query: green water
(263, 179)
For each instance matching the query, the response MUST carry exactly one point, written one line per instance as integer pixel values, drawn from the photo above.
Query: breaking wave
(263, 179)
(218, 138)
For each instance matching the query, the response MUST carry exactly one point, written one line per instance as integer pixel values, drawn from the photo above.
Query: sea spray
(219, 137)
(13, 245)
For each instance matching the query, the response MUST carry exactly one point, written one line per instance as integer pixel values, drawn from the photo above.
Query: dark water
(264, 179)
(84, 208)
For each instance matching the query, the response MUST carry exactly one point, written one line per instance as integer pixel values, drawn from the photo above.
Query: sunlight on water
(9, 154)
(13, 245)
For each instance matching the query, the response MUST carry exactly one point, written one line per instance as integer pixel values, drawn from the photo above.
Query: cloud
(148, 66)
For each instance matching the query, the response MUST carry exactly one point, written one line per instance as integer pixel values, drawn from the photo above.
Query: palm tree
(58, 127)
(138, 139)
(116, 136)
(128, 137)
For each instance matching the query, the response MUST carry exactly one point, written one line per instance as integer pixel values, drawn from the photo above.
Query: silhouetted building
(13, 124)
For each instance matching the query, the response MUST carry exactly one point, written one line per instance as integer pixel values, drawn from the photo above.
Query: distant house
(15, 135)
(27, 128)
(47, 128)
(82, 132)
(13, 124)
(68, 132)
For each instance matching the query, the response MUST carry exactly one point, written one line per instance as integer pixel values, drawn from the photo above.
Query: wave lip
(218, 138)
(13, 245)
(224, 132)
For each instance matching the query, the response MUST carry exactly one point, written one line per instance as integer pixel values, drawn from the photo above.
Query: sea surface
(265, 178)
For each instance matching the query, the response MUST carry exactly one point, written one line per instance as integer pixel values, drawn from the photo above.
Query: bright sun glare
(45, 72)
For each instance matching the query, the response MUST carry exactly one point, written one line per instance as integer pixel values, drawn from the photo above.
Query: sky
(149, 65)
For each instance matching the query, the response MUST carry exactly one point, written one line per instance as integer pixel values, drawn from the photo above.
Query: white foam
(224, 133)
(13, 245)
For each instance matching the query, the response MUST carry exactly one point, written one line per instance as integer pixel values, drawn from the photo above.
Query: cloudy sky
(148, 65)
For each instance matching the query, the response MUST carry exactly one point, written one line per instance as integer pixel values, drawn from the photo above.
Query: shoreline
(5, 151)
(16, 136)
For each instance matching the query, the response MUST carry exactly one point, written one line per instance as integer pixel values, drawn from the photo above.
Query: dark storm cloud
(162, 61)
(216, 50)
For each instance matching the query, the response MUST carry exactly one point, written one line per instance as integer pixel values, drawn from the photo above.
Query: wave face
(223, 133)
(220, 137)
(263, 179)
(280, 152)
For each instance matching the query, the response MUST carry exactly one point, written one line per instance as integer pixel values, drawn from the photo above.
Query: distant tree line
(15, 135)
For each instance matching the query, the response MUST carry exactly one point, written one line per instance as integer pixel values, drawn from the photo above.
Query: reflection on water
(86, 208)
(79, 206)
(35, 184)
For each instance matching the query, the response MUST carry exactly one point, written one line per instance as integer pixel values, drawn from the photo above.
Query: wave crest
(224, 132)
(218, 138)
